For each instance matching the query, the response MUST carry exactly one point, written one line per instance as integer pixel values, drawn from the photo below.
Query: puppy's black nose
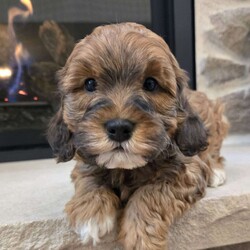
(119, 129)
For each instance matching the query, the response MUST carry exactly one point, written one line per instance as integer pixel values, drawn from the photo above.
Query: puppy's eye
(90, 84)
(150, 84)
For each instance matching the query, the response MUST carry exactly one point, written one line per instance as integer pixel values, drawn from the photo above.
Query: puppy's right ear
(60, 138)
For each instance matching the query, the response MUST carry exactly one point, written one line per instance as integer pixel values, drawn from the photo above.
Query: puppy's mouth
(120, 158)
(118, 149)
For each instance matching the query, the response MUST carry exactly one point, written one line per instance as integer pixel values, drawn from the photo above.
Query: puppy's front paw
(143, 229)
(143, 235)
(218, 177)
(92, 215)
(93, 229)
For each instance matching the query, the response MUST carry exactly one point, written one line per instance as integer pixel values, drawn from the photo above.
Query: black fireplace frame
(173, 20)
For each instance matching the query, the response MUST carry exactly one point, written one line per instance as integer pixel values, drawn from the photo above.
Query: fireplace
(36, 37)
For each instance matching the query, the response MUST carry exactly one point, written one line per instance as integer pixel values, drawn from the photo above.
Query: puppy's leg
(92, 210)
(152, 209)
(216, 124)
(144, 224)
(212, 156)
(218, 174)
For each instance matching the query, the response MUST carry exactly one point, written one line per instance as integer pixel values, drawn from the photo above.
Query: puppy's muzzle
(119, 130)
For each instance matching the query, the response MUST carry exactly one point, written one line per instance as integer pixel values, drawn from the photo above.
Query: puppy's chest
(126, 182)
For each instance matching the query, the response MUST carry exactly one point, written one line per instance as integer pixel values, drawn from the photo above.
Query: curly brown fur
(173, 147)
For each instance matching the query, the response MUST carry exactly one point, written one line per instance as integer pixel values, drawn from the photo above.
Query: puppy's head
(122, 101)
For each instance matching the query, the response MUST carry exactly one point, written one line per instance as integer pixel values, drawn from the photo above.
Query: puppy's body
(143, 141)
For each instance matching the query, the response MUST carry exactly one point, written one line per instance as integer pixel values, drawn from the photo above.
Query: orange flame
(20, 52)
(28, 5)
(14, 11)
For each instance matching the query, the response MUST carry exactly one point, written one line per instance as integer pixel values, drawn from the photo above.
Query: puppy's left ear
(191, 134)
(60, 138)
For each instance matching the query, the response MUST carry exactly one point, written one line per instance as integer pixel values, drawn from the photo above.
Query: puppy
(144, 143)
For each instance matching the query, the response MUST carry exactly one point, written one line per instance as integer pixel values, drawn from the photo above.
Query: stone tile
(231, 28)
(237, 110)
(220, 71)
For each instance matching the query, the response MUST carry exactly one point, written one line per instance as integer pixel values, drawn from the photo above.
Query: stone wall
(223, 56)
